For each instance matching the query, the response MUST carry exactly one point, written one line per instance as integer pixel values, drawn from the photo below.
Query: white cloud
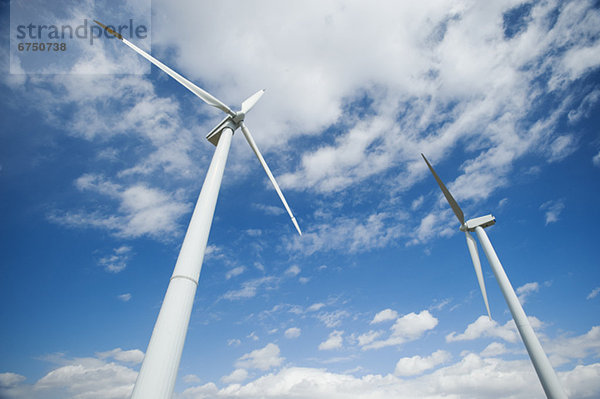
(234, 272)
(125, 297)
(238, 375)
(117, 261)
(407, 328)
(334, 341)
(191, 379)
(133, 356)
(262, 359)
(594, 293)
(249, 288)
(333, 319)
(142, 210)
(417, 203)
(85, 378)
(315, 306)
(385, 315)
(562, 147)
(233, 342)
(292, 271)
(408, 366)
(596, 159)
(292, 332)
(471, 378)
(270, 209)
(552, 210)
(494, 349)
(579, 347)
(8, 380)
(353, 234)
(525, 290)
(368, 337)
(484, 327)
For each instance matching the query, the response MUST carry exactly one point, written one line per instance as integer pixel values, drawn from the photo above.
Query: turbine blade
(266, 168)
(250, 101)
(472, 245)
(457, 211)
(205, 96)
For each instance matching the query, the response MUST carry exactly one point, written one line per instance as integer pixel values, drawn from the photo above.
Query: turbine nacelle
(482, 221)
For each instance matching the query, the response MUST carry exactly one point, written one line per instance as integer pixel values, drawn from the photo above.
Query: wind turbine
(540, 361)
(159, 369)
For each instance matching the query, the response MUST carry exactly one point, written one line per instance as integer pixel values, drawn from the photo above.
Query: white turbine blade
(205, 96)
(457, 211)
(266, 168)
(250, 101)
(472, 245)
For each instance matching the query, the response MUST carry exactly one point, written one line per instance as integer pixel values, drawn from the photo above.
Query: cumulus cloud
(408, 366)
(8, 380)
(407, 328)
(385, 315)
(472, 377)
(494, 349)
(334, 341)
(262, 359)
(133, 356)
(237, 375)
(577, 347)
(89, 378)
(484, 327)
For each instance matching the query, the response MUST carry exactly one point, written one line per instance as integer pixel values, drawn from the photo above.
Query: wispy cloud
(552, 210)
(249, 288)
(125, 297)
(594, 293)
(140, 210)
(236, 271)
(525, 290)
(117, 261)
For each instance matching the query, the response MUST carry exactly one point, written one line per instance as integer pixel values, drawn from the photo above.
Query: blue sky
(100, 166)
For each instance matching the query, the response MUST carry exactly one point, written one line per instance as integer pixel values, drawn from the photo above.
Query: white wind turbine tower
(540, 361)
(156, 379)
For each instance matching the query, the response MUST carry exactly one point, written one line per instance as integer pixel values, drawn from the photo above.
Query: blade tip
(109, 30)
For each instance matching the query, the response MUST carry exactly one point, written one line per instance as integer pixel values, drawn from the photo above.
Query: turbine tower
(540, 361)
(156, 379)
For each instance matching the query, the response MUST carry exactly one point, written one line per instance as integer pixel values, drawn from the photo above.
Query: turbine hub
(239, 117)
